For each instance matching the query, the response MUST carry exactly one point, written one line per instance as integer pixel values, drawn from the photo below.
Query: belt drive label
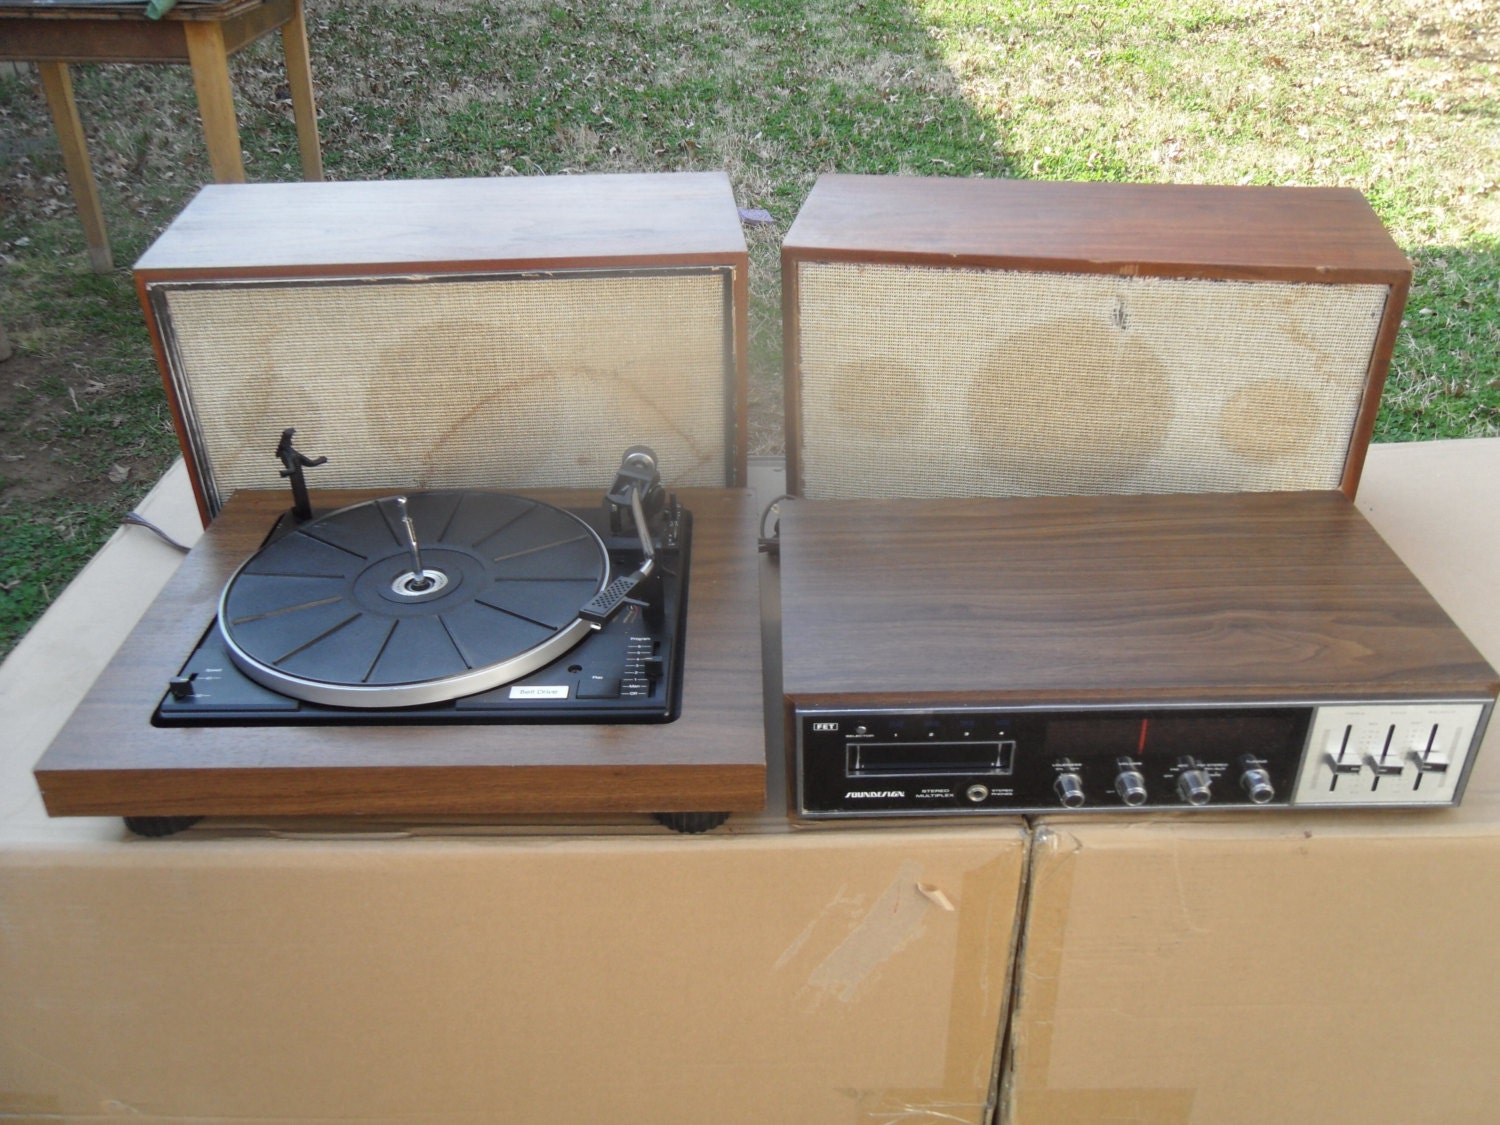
(539, 691)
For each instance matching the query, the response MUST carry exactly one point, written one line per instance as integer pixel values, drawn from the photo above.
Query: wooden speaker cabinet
(954, 337)
(516, 332)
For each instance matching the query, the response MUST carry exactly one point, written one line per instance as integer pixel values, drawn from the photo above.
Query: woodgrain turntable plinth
(110, 759)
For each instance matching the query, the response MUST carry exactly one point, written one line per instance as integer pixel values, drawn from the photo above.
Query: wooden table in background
(203, 36)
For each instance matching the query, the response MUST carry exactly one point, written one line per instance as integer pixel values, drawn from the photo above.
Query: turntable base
(109, 760)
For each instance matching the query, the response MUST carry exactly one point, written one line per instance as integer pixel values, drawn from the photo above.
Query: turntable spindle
(420, 580)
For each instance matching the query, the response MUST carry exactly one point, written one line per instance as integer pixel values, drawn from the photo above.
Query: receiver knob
(1070, 790)
(1130, 784)
(1257, 783)
(1193, 786)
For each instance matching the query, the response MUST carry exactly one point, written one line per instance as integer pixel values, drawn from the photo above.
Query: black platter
(452, 607)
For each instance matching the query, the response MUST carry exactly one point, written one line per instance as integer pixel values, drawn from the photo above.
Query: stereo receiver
(1116, 653)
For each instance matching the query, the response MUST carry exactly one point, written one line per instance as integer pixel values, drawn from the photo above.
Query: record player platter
(350, 610)
(420, 608)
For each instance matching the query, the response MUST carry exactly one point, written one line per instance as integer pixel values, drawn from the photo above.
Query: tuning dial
(1130, 784)
(1193, 786)
(1070, 790)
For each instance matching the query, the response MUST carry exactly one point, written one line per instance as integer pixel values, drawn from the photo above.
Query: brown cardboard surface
(540, 970)
(1285, 967)
(828, 978)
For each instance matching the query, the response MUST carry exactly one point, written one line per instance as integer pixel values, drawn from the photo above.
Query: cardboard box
(549, 970)
(1267, 967)
(1284, 967)
(829, 978)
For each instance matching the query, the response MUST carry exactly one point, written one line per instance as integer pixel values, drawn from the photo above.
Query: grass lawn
(1400, 99)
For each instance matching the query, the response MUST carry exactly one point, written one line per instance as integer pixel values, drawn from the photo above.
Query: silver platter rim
(417, 693)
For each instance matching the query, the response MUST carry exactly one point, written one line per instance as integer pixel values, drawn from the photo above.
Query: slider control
(1431, 762)
(1337, 762)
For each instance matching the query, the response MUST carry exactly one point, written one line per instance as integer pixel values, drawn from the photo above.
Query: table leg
(299, 78)
(210, 61)
(58, 86)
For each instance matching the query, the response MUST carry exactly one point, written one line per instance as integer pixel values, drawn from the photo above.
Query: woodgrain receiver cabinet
(952, 337)
(1109, 653)
(514, 332)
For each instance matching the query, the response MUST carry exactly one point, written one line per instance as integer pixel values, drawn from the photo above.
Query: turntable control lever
(180, 687)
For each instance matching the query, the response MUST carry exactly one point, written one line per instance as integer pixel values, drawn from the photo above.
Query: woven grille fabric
(919, 381)
(501, 382)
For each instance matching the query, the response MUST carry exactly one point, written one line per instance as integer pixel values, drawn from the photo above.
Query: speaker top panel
(1164, 230)
(636, 219)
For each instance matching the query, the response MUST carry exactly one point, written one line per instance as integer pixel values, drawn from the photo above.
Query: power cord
(770, 544)
(141, 521)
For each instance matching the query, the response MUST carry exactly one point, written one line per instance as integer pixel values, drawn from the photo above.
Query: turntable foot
(158, 826)
(691, 822)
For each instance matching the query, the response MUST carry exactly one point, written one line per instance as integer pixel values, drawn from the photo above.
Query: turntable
(437, 653)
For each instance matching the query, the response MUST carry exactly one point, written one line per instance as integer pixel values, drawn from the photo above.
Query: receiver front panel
(974, 761)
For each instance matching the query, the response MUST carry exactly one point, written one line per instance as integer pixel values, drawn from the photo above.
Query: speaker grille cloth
(918, 381)
(514, 383)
